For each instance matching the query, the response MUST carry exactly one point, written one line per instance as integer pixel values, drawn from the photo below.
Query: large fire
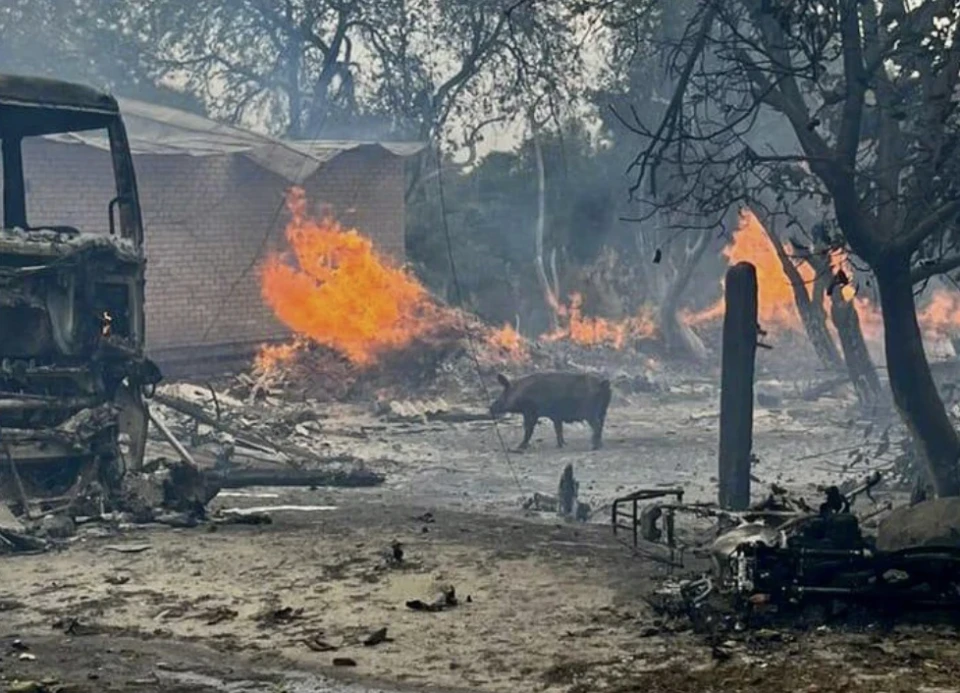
(334, 289)
(777, 311)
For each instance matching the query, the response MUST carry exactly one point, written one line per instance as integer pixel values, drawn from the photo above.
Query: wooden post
(736, 385)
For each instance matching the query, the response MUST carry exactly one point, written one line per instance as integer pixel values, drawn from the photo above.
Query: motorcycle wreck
(777, 563)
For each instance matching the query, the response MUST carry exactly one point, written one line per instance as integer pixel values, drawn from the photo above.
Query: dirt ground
(542, 605)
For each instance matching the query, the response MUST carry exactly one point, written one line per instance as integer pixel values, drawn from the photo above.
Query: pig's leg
(596, 425)
(529, 423)
(558, 429)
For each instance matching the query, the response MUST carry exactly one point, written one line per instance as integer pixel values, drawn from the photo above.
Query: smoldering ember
(479, 345)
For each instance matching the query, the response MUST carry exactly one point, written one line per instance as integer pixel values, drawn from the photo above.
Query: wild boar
(560, 397)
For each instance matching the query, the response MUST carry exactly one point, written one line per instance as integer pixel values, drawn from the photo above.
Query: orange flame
(272, 356)
(591, 331)
(509, 342)
(340, 292)
(776, 307)
(939, 319)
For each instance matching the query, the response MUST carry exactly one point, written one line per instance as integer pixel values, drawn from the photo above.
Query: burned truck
(72, 368)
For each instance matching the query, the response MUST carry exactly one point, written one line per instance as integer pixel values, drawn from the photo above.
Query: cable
(456, 285)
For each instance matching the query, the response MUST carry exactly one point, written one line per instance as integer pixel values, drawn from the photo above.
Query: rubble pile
(200, 441)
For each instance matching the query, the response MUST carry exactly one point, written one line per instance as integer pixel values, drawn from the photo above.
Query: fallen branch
(814, 393)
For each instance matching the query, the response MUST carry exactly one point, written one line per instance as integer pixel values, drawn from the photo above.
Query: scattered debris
(275, 616)
(377, 637)
(246, 517)
(217, 615)
(446, 600)
(567, 493)
(396, 552)
(74, 627)
(128, 548)
(18, 686)
(540, 502)
(318, 645)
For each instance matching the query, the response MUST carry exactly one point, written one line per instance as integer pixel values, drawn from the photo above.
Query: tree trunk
(862, 372)
(548, 296)
(860, 368)
(736, 386)
(812, 314)
(678, 337)
(914, 391)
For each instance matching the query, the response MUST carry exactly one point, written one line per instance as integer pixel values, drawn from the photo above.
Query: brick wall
(209, 222)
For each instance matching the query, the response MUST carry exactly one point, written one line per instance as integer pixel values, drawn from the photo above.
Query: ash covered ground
(541, 603)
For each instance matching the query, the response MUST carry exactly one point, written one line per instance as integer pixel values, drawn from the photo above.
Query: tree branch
(926, 270)
(928, 226)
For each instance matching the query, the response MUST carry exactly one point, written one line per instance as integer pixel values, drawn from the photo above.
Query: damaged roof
(159, 130)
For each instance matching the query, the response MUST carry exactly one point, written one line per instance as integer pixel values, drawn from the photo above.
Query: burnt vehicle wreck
(783, 555)
(72, 365)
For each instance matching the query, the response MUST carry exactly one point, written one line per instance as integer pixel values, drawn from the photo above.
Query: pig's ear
(502, 379)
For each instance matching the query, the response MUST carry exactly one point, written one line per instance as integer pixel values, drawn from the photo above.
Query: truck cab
(72, 366)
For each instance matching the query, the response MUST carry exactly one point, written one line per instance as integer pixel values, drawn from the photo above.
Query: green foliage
(99, 43)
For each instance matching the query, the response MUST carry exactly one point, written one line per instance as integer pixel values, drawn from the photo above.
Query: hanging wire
(471, 346)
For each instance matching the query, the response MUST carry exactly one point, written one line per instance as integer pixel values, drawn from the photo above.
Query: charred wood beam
(241, 478)
(244, 437)
(18, 402)
(172, 439)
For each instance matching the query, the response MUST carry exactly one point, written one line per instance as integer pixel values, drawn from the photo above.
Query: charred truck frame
(72, 365)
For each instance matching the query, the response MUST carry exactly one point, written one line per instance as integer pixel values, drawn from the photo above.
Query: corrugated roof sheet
(159, 130)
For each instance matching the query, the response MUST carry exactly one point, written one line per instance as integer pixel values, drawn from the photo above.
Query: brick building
(212, 199)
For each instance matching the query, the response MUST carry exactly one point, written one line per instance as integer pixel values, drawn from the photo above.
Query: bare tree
(671, 260)
(869, 91)
(550, 296)
(808, 297)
